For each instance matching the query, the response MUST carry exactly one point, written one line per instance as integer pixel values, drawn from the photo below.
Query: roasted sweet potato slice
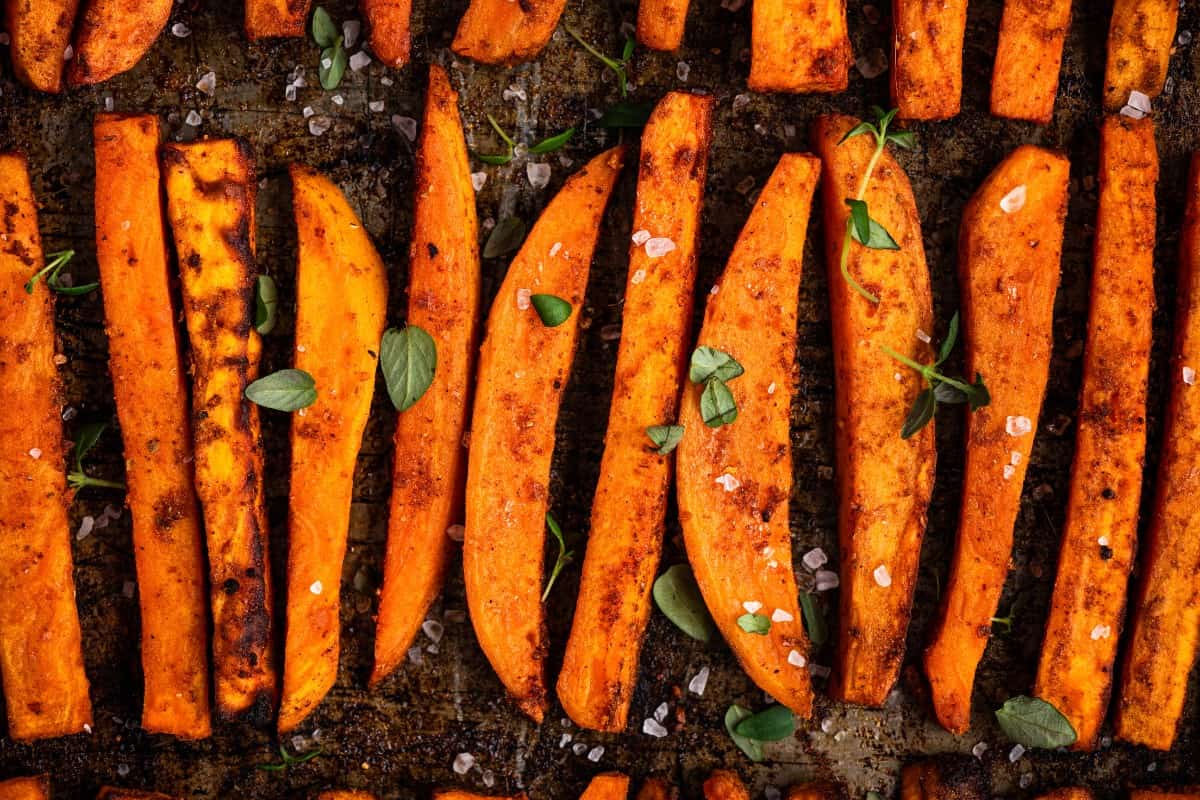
(1067, 794)
(1029, 58)
(210, 205)
(389, 29)
(113, 35)
(523, 370)
(1161, 648)
(341, 309)
(504, 32)
(41, 661)
(115, 793)
(1140, 37)
(723, 784)
(149, 381)
(884, 482)
(799, 47)
(35, 788)
(657, 789)
(268, 19)
(607, 786)
(927, 50)
(1009, 248)
(40, 31)
(944, 778)
(444, 300)
(734, 481)
(660, 23)
(1087, 609)
(629, 510)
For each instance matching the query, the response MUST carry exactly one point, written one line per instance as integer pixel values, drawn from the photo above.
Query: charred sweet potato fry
(1028, 58)
(1166, 618)
(799, 47)
(113, 35)
(660, 23)
(523, 370)
(884, 482)
(607, 786)
(657, 789)
(944, 778)
(41, 661)
(629, 510)
(927, 50)
(40, 31)
(1140, 37)
(734, 481)
(504, 32)
(210, 205)
(444, 300)
(35, 788)
(115, 793)
(341, 309)
(1067, 794)
(723, 784)
(1009, 248)
(1087, 609)
(149, 381)
(817, 791)
(389, 29)
(267, 19)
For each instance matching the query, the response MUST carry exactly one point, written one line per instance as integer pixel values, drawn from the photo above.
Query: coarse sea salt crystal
(375, 106)
(538, 174)
(1014, 458)
(1189, 376)
(661, 712)
(513, 92)
(1101, 632)
(68, 53)
(318, 125)
(1009, 471)
(752, 606)
(307, 111)
(779, 615)
(463, 763)
(208, 83)
(1015, 754)
(456, 532)
(564, 740)
(682, 70)
(796, 659)
(882, 576)
(815, 558)
(740, 101)
(654, 728)
(338, 100)
(729, 482)
(923, 336)
(316, 587)
(433, 629)
(1102, 541)
(478, 179)
(415, 655)
(85, 527)
(351, 28)
(359, 60)
(640, 237)
(489, 778)
(579, 748)
(180, 30)
(659, 246)
(979, 749)
(638, 276)
(596, 753)
(826, 725)
(523, 296)
(1017, 426)
(1137, 106)
(193, 119)
(826, 579)
(771, 388)
(554, 248)
(1014, 201)
(35, 453)
(699, 682)
(289, 93)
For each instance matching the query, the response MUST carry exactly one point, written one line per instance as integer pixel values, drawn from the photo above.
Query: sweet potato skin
(444, 300)
(210, 205)
(725, 785)
(389, 23)
(1161, 647)
(661, 23)
(504, 32)
(34, 788)
(927, 51)
(523, 371)
(1008, 274)
(341, 309)
(607, 786)
(153, 406)
(799, 47)
(884, 482)
(113, 35)
(41, 661)
(268, 19)
(1099, 539)
(944, 778)
(1029, 59)
(1140, 36)
(599, 670)
(40, 31)
(738, 540)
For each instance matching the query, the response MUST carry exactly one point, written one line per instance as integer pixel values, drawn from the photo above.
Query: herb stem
(79, 480)
(496, 127)
(880, 142)
(608, 62)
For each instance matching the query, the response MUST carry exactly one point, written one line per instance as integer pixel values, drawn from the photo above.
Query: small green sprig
(713, 369)
(332, 65)
(78, 479)
(618, 66)
(565, 556)
(547, 145)
(50, 273)
(290, 760)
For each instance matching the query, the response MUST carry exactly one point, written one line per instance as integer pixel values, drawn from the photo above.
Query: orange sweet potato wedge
(41, 660)
(1166, 618)
(884, 482)
(34, 788)
(1087, 607)
(40, 31)
(504, 32)
(629, 510)
(149, 381)
(210, 188)
(388, 21)
(660, 23)
(341, 309)
(944, 778)
(113, 35)
(269, 19)
(927, 51)
(444, 301)
(1029, 58)
(523, 370)
(725, 785)
(734, 481)
(1140, 37)
(799, 47)
(607, 786)
(1010, 245)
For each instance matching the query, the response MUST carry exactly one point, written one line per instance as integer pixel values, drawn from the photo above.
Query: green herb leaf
(552, 310)
(88, 435)
(874, 796)
(290, 760)
(324, 31)
(549, 145)
(734, 717)
(769, 725)
(627, 51)
(1032, 722)
(626, 115)
(50, 271)
(408, 358)
(948, 343)
(565, 556)
(717, 406)
(902, 139)
(857, 130)
(496, 160)
(505, 237)
(709, 362)
(331, 76)
(678, 598)
(878, 239)
(980, 397)
(951, 395)
(266, 304)
(285, 390)
(814, 619)
(757, 624)
(618, 67)
(860, 220)
(920, 414)
(665, 437)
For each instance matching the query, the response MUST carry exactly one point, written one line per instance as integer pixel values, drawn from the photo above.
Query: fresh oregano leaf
(814, 619)
(717, 406)
(947, 345)
(860, 220)
(408, 358)
(857, 130)
(665, 437)
(505, 237)
(266, 304)
(709, 362)
(757, 624)
(1032, 722)
(920, 414)
(551, 309)
(285, 390)
(734, 717)
(877, 237)
(324, 31)
(335, 57)
(565, 556)
(85, 440)
(769, 725)
(552, 143)
(495, 159)
(902, 139)
(627, 52)
(678, 598)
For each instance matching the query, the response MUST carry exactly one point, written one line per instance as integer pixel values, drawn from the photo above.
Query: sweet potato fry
(41, 661)
(799, 47)
(1028, 58)
(1166, 618)
(723, 784)
(113, 35)
(40, 31)
(1140, 37)
(444, 300)
(817, 791)
(341, 309)
(504, 32)
(1008, 266)
(657, 789)
(1087, 607)
(345, 794)
(115, 793)
(149, 381)
(734, 481)
(944, 778)
(884, 482)
(389, 22)
(660, 23)
(628, 513)
(35, 788)
(1067, 794)
(523, 371)
(607, 786)
(267, 19)
(210, 204)
(927, 49)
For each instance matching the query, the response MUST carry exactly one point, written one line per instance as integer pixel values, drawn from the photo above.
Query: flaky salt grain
(523, 296)
(1014, 201)
(640, 237)
(979, 749)
(1015, 754)
(1101, 632)
(729, 482)
(406, 126)
(359, 60)
(596, 753)
(85, 527)
(538, 174)
(1017, 426)
(796, 659)
(180, 30)
(478, 179)
(555, 248)
(316, 587)
(433, 629)
(659, 246)
(826, 580)
(699, 682)
(882, 576)
(1189, 376)
(779, 615)
(463, 763)
(752, 606)
(815, 558)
